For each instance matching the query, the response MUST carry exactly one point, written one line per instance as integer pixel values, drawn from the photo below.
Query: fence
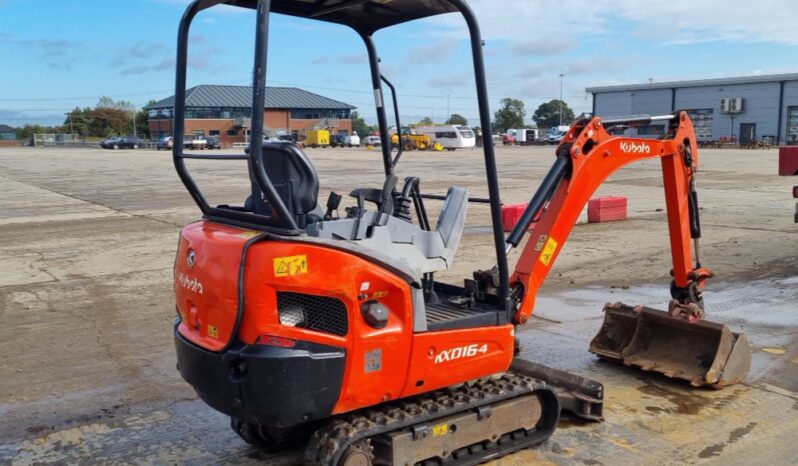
(72, 140)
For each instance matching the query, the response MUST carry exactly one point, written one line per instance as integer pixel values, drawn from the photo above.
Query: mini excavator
(330, 332)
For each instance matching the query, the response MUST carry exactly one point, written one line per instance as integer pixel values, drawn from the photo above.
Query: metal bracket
(420, 431)
(484, 412)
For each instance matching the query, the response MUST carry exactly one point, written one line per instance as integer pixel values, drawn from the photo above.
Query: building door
(747, 133)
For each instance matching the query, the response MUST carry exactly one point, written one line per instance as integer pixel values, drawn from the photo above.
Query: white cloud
(674, 21)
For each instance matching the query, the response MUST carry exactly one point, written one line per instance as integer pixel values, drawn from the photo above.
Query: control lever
(332, 205)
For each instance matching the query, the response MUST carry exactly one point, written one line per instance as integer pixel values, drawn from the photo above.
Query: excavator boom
(588, 155)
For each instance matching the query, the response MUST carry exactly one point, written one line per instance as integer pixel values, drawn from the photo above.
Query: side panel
(375, 358)
(206, 282)
(207, 301)
(440, 359)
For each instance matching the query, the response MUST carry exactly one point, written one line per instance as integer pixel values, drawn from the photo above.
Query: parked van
(451, 137)
(524, 136)
(555, 134)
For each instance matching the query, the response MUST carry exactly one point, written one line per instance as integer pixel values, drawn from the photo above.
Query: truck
(317, 138)
(524, 136)
(353, 140)
(195, 142)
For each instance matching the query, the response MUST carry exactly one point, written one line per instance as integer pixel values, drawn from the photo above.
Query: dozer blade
(578, 395)
(701, 352)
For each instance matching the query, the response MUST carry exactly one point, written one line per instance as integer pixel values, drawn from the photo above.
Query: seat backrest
(294, 178)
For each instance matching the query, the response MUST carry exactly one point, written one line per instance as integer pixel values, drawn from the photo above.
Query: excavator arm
(588, 155)
(678, 343)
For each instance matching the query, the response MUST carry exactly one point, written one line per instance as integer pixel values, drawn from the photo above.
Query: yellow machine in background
(317, 138)
(411, 141)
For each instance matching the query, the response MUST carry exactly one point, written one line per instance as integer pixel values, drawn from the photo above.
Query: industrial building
(745, 109)
(8, 136)
(225, 111)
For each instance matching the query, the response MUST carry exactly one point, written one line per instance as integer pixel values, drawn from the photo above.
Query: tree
(26, 132)
(548, 114)
(107, 102)
(457, 119)
(77, 121)
(142, 121)
(511, 115)
(106, 122)
(425, 121)
(359, 124)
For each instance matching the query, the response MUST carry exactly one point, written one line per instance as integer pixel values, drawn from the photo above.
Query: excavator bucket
(701, 352)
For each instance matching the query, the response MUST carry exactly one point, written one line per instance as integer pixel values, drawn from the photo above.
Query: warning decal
(213, 332)
(289, 266)
(548, 251)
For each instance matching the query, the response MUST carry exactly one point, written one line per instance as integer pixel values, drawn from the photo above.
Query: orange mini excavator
(307, 327)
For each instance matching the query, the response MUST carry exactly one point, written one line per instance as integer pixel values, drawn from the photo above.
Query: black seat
(295, 180)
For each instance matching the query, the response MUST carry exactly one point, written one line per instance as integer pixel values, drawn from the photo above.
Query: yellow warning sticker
(213, 332)
(440, 429)
(548, 251)
(248, 234)
(289, 266)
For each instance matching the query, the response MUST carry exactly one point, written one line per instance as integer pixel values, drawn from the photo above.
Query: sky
(59, 55)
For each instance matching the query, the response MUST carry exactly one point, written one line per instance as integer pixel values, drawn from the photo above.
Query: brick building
(225, 111)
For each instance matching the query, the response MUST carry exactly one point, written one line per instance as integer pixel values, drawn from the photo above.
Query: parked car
(265, 140)
(372, 140)
(508, 140)
(165, 143)
(337, 140)
(122, 143)
(555, 136)
(353, 140)
(194, 142)
(214, 142)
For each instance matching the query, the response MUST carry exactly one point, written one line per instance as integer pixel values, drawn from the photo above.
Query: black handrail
(396, 117)
(280, 217)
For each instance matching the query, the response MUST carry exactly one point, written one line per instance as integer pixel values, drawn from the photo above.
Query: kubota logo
(633, 148)
(191, 284)
(461, 352)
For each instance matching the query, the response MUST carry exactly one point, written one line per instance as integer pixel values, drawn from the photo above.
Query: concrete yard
(87, 241)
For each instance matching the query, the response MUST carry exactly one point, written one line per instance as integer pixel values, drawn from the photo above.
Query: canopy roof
(366, 16)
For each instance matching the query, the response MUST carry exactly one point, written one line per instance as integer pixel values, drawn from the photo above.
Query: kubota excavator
(307, 327)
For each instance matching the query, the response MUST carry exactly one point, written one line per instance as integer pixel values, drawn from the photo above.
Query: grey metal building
(745, 109)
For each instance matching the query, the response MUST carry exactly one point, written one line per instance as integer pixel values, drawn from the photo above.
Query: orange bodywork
(207, 302)
(595, 154)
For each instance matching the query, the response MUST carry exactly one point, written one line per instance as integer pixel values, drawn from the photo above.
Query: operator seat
(295, 180)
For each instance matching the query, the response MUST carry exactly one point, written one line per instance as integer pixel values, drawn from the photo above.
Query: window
(316, 113)
(446, 135)
(198, 132)
(792, 125)
(232, 132)
(214, 132)
(160, 114)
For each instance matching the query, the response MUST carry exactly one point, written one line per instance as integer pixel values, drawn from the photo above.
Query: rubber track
(330, 441)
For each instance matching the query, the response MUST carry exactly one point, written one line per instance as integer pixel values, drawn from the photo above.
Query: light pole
(562, 77)
(134, 122)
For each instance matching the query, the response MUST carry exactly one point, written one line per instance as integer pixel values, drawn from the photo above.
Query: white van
(451, 137)
(524, 136)
(352, 140)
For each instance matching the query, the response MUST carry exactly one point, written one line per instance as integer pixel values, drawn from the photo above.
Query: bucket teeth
(701, 352)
